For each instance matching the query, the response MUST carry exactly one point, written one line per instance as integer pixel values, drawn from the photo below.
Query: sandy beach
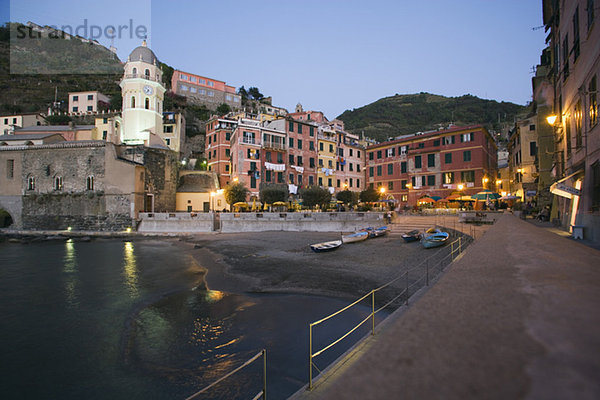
(284, 262)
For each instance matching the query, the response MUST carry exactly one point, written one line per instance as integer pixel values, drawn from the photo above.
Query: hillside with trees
(404, 114)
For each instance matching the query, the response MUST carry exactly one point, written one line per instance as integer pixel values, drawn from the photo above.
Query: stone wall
(85, 211)
(258, 222)
(161, 177)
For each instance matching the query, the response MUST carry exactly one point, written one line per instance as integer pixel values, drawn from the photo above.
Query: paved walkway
(517, 317)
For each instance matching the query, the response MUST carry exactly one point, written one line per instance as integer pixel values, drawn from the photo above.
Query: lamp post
(212, 201)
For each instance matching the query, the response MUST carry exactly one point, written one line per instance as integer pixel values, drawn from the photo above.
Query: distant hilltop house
(205, 91)
(87, 102)
(8, 123)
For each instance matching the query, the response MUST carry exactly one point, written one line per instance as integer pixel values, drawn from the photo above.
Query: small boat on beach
(411, 236)
(434, 237)
(325, 246)
(377, 232)
(356, 237)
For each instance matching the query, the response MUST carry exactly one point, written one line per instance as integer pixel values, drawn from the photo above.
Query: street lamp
(460, 187)
(212, 200)
(551, 119)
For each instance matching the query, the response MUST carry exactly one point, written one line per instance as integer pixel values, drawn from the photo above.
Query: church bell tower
(143, 96)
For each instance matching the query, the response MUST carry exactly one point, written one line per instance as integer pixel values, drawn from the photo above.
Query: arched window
(147, 104)
(31, 183)
(147, 73)
(134, 71)
(58, 183)
(89, 183)
(132, 101)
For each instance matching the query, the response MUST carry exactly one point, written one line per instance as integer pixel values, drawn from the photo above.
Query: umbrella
(280, 203)
(436, 198)
(441, 201)
(486, 195)
(465, 198)
(424, 200)
(241, 204)
(453, 196)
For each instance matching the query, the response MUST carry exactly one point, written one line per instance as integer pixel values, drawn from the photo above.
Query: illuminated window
(58, 183)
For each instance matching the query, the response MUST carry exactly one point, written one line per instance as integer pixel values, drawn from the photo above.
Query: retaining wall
(258, 222)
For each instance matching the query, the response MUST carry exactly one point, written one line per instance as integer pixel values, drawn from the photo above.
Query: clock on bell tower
(143, 96)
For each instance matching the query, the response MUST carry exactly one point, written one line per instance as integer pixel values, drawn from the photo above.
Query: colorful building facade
(437, 163)
(202, 90)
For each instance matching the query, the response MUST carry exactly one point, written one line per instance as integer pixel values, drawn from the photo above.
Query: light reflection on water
(122, 320)
(70, 274)
(130, 269)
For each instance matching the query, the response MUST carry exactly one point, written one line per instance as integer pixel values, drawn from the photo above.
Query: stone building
(93, 185)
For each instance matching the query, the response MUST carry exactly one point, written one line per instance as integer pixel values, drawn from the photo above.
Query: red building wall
(384, 163)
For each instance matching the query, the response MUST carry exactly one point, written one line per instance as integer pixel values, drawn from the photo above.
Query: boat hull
(435, 240)
(411, 236)
(326, 246)
(355, 237)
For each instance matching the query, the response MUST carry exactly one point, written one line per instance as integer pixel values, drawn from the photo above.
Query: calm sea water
(110, 319)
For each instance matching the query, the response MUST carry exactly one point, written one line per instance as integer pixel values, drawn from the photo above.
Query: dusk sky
(329, 55)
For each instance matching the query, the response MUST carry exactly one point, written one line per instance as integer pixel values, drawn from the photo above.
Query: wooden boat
(411, 236)
(355, 237)
(325, 246)
(381, 231)
(434, 239)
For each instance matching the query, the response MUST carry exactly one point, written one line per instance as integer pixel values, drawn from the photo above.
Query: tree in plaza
(271, 193)
(223, 109)
(235, 192)
(314, 195)
(345, 196)
(369, 195)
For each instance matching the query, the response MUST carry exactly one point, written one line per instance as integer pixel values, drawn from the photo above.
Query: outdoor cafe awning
(565, 188)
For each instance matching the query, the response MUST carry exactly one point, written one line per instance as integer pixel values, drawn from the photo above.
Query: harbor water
(112, 319)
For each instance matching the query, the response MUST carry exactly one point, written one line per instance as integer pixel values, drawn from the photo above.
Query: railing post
(373, 312)
(264, 374)
(310, 357)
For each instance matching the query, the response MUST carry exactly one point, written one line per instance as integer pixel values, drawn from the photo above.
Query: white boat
(355, 237)
(326, 246)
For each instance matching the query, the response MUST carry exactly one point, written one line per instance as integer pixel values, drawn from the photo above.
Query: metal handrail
(262, 394)
(457, 246)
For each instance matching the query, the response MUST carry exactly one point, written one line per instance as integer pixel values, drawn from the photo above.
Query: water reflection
(130, 269)
(70, 271)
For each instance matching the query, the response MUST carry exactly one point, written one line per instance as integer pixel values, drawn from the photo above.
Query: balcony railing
(274, 145)
(141, 76)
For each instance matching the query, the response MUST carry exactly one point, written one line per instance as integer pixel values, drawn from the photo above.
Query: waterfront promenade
(515, 318)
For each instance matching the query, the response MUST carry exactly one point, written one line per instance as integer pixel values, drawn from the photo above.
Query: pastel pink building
(202, 90)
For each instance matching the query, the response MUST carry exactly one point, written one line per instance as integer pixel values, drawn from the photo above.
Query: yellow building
(198, 191)
(326, 167)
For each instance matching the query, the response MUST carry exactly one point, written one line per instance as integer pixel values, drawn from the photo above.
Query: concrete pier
(517, 317)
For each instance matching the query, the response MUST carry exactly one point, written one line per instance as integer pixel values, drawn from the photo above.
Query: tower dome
(143, 53)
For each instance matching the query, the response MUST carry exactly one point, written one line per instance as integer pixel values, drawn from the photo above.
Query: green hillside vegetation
(405, 114)
(35, 92)
(21, 93)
